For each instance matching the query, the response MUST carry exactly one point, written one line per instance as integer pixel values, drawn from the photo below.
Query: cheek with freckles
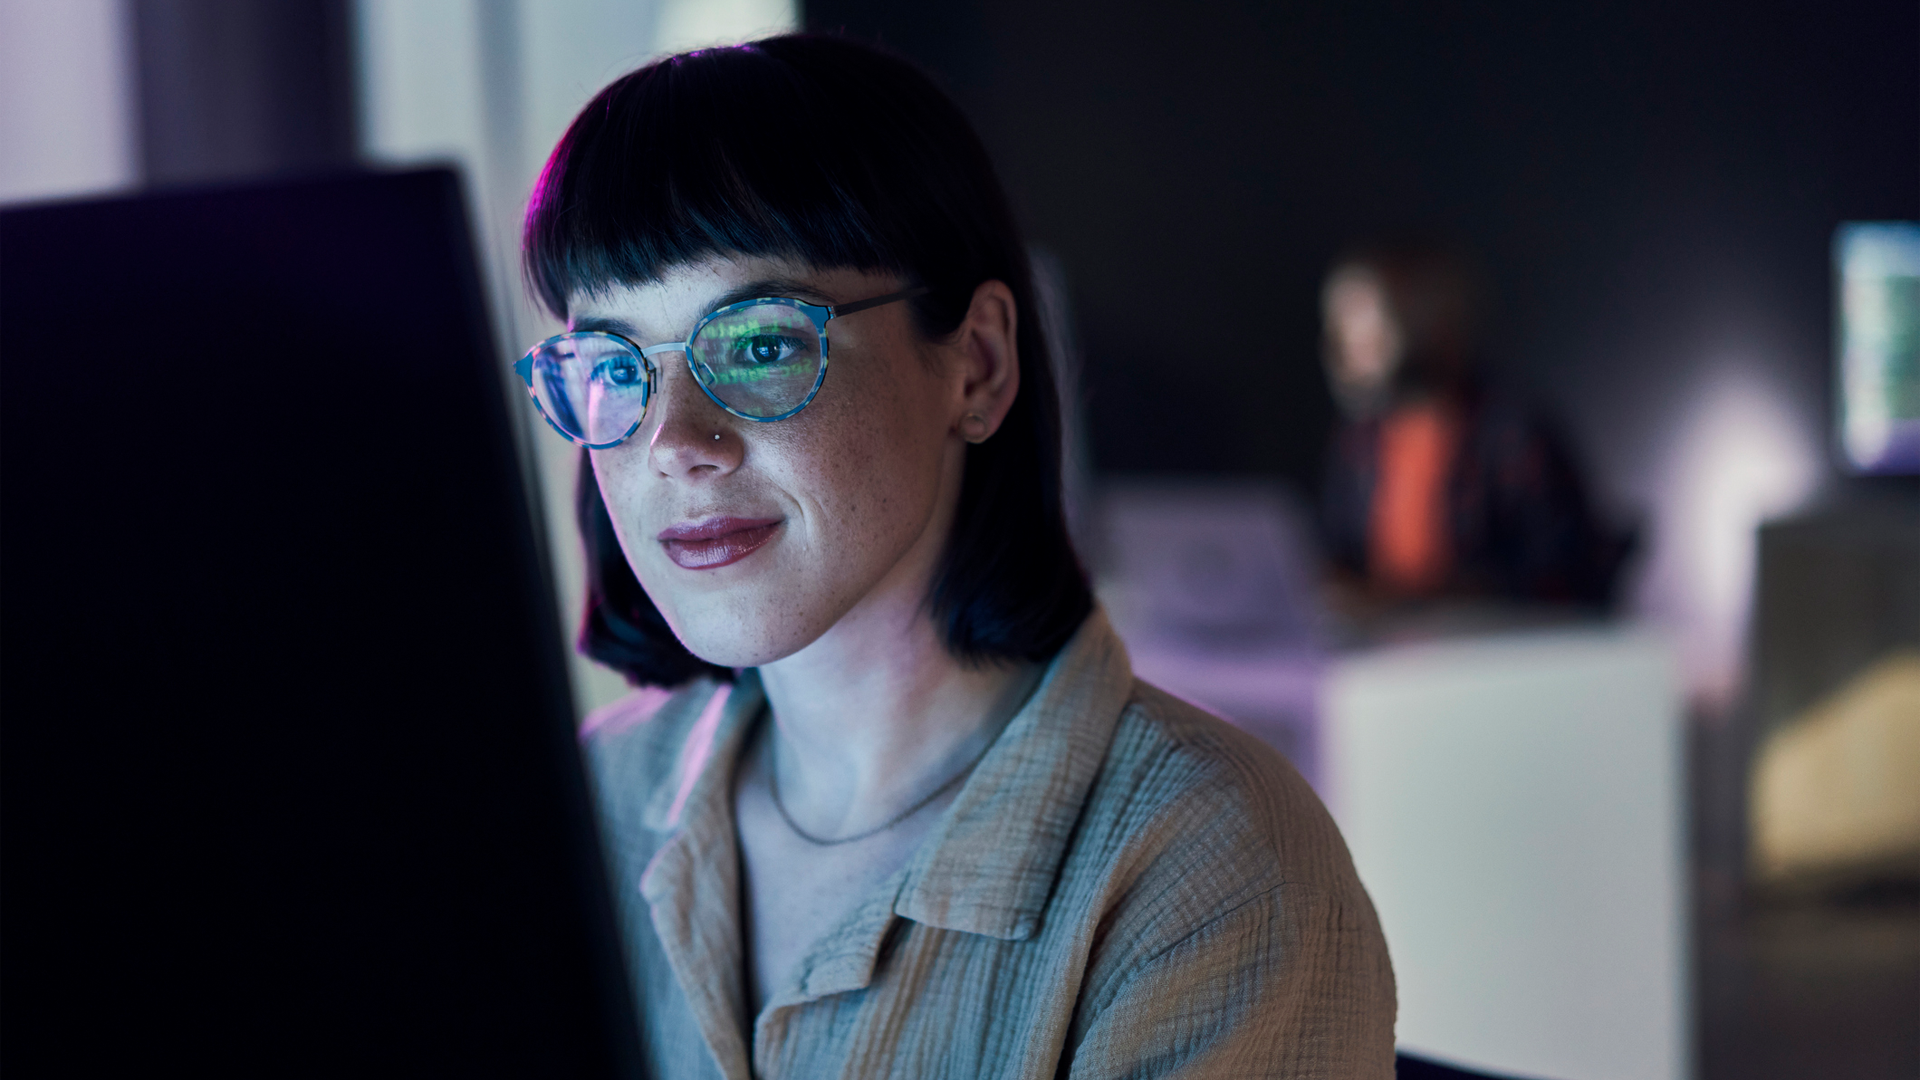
(865, 478)
(858, 467)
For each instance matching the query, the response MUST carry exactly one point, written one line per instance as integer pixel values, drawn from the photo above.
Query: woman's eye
(624, 371)
(769, 348)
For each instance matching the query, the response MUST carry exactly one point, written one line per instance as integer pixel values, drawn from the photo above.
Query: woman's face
(754, 539)
(1363, 340)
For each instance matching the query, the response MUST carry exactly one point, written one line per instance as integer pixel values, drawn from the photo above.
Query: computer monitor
(1877, 271)
(288, 777)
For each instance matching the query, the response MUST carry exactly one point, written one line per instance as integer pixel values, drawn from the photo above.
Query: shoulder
(633, 746)
(1186, 769)
(1201, 820)
(1222, 863)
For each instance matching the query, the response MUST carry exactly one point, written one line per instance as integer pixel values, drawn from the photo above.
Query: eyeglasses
(760, 360)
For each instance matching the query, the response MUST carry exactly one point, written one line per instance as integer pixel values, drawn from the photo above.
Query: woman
(903, 811)
(1438, 485)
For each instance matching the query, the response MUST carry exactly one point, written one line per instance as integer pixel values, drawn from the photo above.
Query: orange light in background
(1409, 541)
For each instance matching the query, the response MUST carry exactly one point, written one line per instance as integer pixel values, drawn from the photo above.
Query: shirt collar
(701, 781)
(989, 865)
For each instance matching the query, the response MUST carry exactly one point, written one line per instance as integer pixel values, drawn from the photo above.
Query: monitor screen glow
(1877, 270)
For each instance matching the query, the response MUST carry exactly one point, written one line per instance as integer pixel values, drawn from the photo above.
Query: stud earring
(716, 436)
(973, 428)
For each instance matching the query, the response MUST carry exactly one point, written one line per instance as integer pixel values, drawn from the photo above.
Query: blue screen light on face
(1877, 267)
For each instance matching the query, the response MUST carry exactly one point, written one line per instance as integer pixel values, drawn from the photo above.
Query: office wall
(67, 121)
(232, 88)
(1652, 188)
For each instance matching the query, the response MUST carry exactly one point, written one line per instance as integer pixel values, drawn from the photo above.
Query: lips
(716, 542)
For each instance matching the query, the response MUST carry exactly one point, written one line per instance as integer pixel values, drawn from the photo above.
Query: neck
(876, 713)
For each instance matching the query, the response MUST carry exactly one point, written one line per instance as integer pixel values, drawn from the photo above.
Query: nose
(692, 437)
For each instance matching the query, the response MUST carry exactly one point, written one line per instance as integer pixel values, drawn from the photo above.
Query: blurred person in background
(890, 801)
(1439, 483)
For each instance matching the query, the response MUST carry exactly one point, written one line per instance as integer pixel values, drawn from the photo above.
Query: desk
(1515, 807)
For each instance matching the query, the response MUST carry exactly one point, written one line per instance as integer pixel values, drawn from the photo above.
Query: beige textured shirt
(1125, 886)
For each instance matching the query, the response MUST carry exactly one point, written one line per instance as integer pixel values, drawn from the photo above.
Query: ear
(986, 352)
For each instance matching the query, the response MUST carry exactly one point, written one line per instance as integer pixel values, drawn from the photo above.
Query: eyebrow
(752, 290)
(787, 287)
(600, 324)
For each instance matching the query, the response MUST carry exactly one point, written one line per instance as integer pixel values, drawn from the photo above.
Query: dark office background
(1652, 189)
(1648, 184)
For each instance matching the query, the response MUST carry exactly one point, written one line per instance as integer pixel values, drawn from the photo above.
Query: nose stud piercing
(973, 428)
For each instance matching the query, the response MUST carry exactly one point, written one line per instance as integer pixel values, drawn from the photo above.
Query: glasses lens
(762, 361)
(591, 386)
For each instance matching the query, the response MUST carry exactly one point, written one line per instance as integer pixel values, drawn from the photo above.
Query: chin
(737, 631)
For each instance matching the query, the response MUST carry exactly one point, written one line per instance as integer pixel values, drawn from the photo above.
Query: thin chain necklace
(773, 788)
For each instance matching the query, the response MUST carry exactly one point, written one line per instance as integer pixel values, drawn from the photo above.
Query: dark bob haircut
(837, 155)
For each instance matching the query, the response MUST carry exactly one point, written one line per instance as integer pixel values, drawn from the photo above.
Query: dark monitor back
(287, 777)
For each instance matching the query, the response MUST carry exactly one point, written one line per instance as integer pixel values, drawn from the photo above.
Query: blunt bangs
(781, 148)
(836, 155)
